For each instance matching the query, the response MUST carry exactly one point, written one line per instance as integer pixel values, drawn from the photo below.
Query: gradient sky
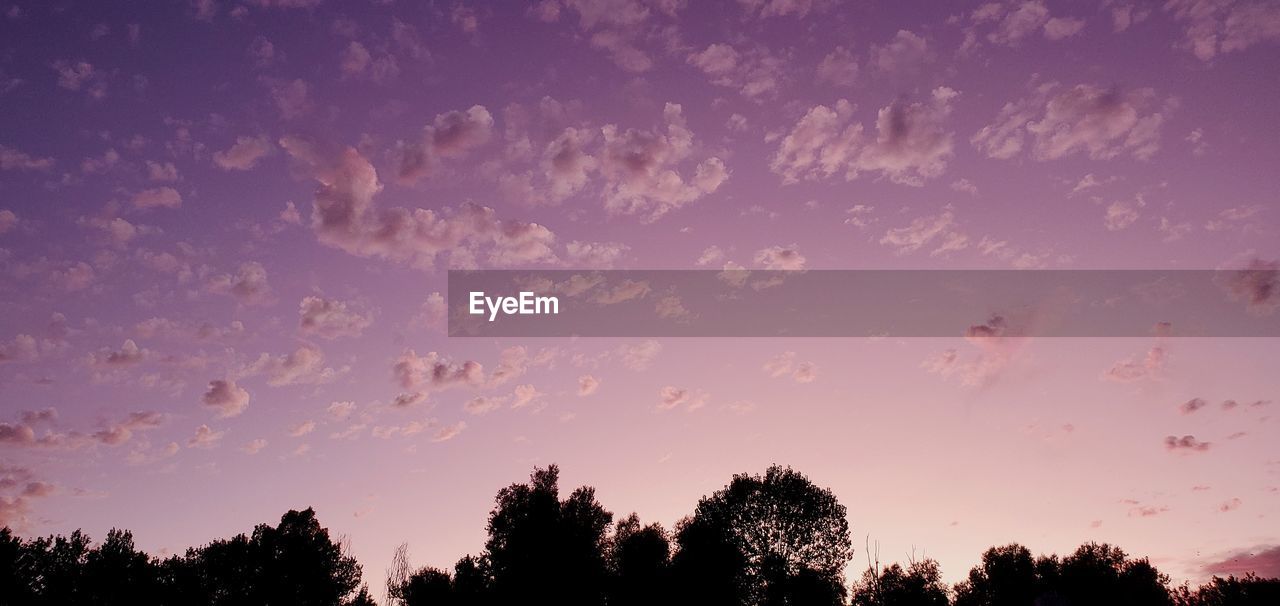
(224, 228)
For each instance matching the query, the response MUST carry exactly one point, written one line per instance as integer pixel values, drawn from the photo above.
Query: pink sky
(224, 230)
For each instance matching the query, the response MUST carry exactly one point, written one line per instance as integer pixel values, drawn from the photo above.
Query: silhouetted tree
(56, 567)
(544, 550)
(1102, 575)
(472, 582)
(707, 568)
(771, 540)
(1007, 576)
(768, 531)
(1232, 591)
(115, 572)
(919, 584)
(426, 587)
(294, 562)
(639, 563)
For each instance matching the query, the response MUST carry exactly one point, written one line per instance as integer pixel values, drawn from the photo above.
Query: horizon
(226, 228)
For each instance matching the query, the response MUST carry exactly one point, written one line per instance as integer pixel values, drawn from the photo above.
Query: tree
(772, 530)
(1102, 574)
(919, 584)
(115, 572)
(639, 563)
(16, 573)
(472, 582)
(544, 550)
(426, 587)
(56, 564)
(1007, 576)
(294, 562)
(1232, 591)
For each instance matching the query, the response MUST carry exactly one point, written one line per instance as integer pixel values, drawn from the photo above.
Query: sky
(225, 228)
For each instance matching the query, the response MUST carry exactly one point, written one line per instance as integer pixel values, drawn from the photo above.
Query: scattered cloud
(912, 143)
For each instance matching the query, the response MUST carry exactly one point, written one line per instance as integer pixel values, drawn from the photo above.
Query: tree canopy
(774, 539)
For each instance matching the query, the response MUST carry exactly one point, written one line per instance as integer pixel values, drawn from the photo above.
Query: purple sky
(224, 228)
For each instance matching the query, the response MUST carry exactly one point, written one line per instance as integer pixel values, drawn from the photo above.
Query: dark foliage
(769, 540)
(919, 584)
(293, 563)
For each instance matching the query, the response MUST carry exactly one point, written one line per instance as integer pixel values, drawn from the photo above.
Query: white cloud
(911, 143)
(1085, 119)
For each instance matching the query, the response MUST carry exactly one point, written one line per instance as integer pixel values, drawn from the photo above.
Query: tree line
(773, 539)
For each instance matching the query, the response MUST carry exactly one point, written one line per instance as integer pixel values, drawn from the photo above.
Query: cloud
(343, 216)
(162, 171)
(14, 159)
(120, 432)
(254, 447)
(77, 75)
(622, 50)
(302, 429)
(911, 143)
(448, 432)
(785, 364)
(907, 51)
(640, 356)
(1122, 213)
(1185, 444)
(484, 404)
(249, 285)
(1237, 216)
(129, 354)
(304, 366)
(593, 254)
(358, 62)
(926, 231)
(432, 314)
(406, 400)
(44, 415)
(434, 372)
(1010, 22)
(205, 438)
(22, 487)
(615, 25)
(227, 398)
(453, 134)
(330, 318)
(671, 397)
(292, 99)
(524, 395)
(1058, 28)
(8, 220)
(641, 169)
(1263, 561)
(1224, 26)
(158, 197)
(339, 411)
(779, 258)
(1147, 511)
(710, 255)
(1258, 285)
(1101, 123)
(565, 163)
(780, 8)
(1192, 405)
(756, 73)
(838, 68)
(245, 154)
(587, 385)
(996, 346)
